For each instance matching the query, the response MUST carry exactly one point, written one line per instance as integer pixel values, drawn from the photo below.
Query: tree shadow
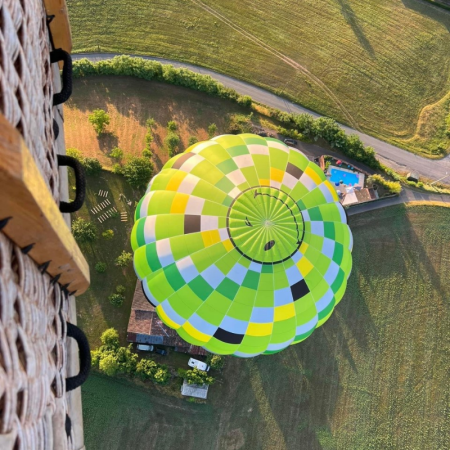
(107, 141)
(352, 20)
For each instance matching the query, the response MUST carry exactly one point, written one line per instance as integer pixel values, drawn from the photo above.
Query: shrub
(192, 140)
(215, 361)
(239, 123)
(99, 119)
(147, 153)
(244, 100)
(393, 187)
(150, 122)
(138, 171)
(92, 166)
(108, 234)
(74, 153)
(120, 289)
(172, 142)
(196, 376)
(126, 359)
(83, 231)
(212, 129)
(100, 267)
(294, 134)
(124, 259)
(172, 125)
(117, 169)
(110, 338)
(148, 369)
(116, 153)
(116, 299)
(108, 364)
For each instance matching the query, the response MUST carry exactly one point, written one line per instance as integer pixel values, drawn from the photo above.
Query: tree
(108, 364)
(120, 289)
(192, 140)
(83, 231)
(116, 153)
(244, 100)
(212, 129)
(117, 169)
(74, 153)
(172, 125)
(215, 361)
(138, 171)
(148, 369)
(108, 234)
(116, 299)
(99, 119)
(150, 122)
(100, 267)
(124, 259)
(147, 153)
(172, 141)
(126, 359)
(92, 166)
(110, 338)
(196, 376)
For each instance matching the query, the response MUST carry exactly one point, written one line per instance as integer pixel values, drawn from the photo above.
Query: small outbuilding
(413, 176)
(194, 390)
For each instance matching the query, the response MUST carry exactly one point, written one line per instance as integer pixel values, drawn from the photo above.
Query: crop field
(374, 377)
(373, 64)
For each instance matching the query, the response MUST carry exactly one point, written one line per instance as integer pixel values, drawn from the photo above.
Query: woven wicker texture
(33, 311)
(26, 91)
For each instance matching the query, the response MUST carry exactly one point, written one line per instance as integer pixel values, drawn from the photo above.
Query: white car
(196, 364)
(145, 347)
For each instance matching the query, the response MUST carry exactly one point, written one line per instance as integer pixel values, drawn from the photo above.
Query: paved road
(407, 195)
(392, 156)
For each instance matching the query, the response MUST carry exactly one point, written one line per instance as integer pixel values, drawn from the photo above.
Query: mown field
(375, 376)
(373, 64)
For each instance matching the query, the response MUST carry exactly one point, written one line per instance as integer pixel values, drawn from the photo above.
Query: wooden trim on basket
(36, 221)
(59, 26)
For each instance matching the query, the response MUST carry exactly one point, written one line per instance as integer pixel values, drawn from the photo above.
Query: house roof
(145, 327)
(194, 390)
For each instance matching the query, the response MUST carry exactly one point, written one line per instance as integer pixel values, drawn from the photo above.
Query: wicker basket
(34, 357)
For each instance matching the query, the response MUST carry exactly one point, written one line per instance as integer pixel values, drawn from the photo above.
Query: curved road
(390, 155)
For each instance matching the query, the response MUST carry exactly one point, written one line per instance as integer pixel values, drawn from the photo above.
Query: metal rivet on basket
(26, 249)
(4, 221)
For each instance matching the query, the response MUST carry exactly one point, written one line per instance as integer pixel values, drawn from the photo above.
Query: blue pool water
(338, 175)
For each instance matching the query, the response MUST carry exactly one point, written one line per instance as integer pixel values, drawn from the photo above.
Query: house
(194, 390)
(145, 327)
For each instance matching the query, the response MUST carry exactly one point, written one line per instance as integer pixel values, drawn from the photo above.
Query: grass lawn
(375, 376)
(374, 64)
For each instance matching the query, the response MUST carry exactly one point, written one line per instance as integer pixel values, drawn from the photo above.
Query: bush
(100, 267)
(108, 364)
(150, 122)
(138, 171)
(393, 187)
(83, 231)
(116, 153)
(216, 362)
(147, 153)
(92, 166)
(239, 123)
(117, 169)
(120, 289)
(244, 100)
(192, 140)
(212, 129)
(116, 299)
(124, 259)
(294, 134)
(99, 119)
(110, 338)
(148, 369)
(196, 376)
(74, 153)
(172, 142)
(108, 234)
(172, 125)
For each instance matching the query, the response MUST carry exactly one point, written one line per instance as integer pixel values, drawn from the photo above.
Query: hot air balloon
(242, 245)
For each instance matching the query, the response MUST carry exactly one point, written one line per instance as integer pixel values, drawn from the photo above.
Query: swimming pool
(347, 177)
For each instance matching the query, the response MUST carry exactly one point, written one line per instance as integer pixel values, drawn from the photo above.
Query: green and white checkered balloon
(242, 245)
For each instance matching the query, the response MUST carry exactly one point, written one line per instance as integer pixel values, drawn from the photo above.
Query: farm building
(194, 390)
(145, 327)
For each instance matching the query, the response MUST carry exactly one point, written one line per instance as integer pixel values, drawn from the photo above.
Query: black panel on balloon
(299, 290)
(227, 337)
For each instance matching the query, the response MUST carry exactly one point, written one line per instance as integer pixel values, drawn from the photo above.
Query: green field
(373, 64)
(375, 376)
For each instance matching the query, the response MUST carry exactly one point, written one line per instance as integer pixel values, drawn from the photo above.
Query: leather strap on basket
(85, 357)
(61, 55)
(80, 184)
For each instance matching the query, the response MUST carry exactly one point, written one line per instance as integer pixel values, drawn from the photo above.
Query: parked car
(161, 351)
(196, 364)
(262, 134)
(145, 347)
(290, 142)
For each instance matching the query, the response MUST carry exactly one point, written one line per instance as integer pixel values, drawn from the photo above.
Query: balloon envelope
(242, 245)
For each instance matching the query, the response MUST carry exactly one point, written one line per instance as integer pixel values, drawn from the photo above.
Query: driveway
(392, 156)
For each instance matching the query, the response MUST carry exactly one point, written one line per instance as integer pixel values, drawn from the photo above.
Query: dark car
(262, 134)
(290, 142)
(161, 351)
